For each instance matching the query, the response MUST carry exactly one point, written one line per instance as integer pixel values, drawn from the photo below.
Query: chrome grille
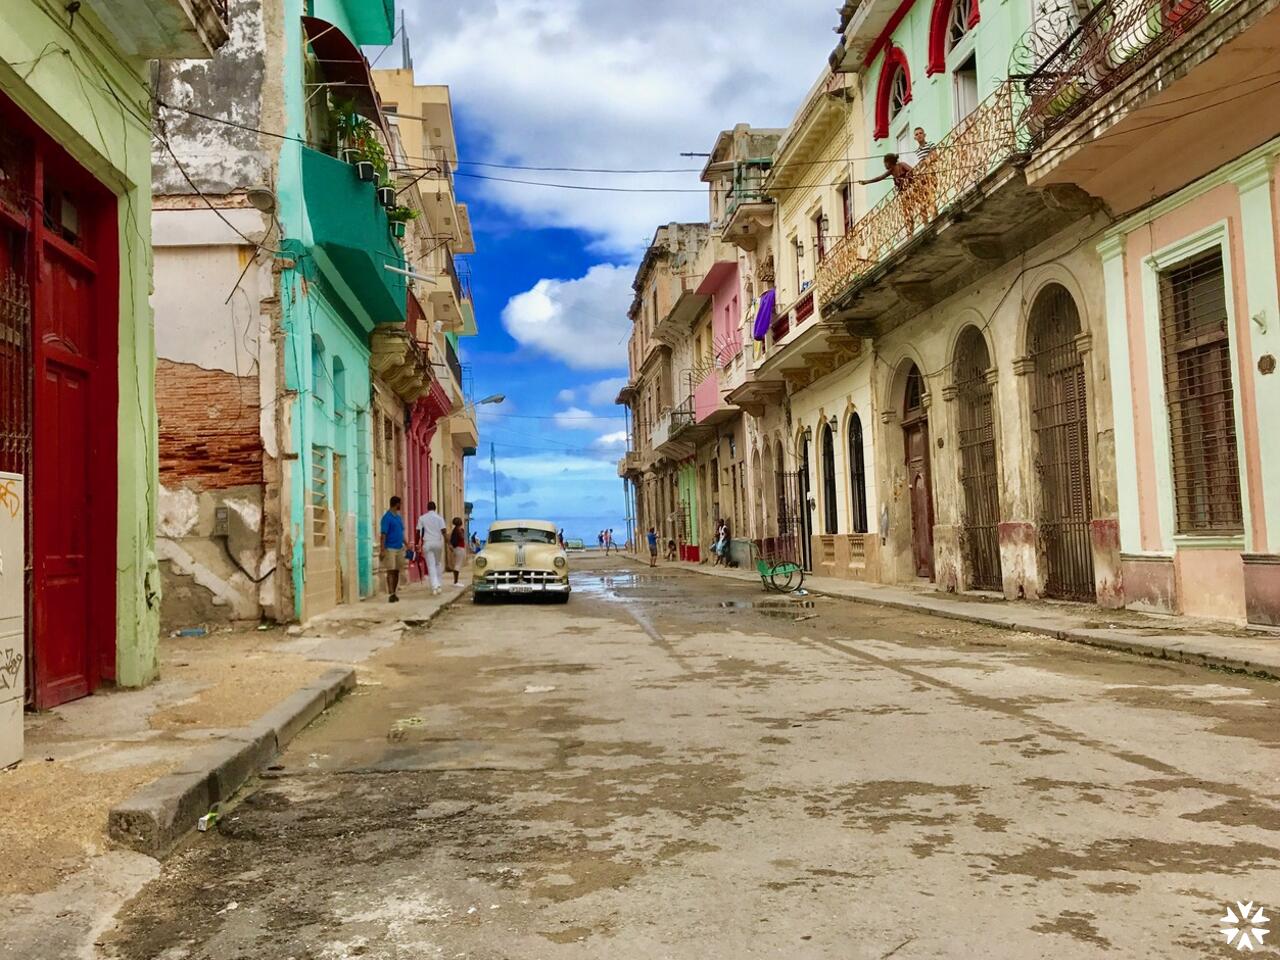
(523, 576)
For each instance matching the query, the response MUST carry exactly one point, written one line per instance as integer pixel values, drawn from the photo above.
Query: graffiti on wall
(10, 669)
(10, 498)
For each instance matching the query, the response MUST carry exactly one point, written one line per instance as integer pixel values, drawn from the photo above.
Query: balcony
(709, 406)
(686, 304)
(967, 210)
(168, 29)
(450, 298)
(630, 465)
(400, 362)
(672, 435)
(351, 237)
(463, 429)
(1141, 97)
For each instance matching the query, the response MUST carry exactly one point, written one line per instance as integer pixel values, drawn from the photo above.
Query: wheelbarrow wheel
(786, 577)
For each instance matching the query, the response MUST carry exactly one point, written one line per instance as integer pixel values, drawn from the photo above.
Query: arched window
(339, 389)
(913, 394)
(317, 367)
(830, 514)
(857, 475)
(894, 90)
(950, 21)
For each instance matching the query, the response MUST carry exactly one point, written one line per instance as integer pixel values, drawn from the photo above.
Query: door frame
(98, 256)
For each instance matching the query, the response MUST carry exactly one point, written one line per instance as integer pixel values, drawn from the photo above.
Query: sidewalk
(1254, 650)
(85, 758)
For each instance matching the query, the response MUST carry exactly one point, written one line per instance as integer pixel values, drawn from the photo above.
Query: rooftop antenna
(406, 58)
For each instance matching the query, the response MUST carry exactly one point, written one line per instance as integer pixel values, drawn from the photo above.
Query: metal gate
(979, 477)
(16, 367)
(1061, 423)
(787, 544)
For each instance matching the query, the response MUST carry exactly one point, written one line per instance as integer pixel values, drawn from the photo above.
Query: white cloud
(565, 396)
(582, 322)
(605, 392)
(613, 84)
(576, 418)
(614, 442)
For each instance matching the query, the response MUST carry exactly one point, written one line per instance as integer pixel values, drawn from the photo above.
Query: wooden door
(74, 448)
(916, 441)
(339, 529)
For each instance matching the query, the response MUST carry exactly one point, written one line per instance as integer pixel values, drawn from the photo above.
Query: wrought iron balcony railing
(1090, 56)
(959, 162)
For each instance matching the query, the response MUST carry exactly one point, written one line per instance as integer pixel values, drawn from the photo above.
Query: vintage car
(521, 558)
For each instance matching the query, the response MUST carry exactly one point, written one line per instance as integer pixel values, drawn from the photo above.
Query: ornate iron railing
(958, 163)
(1109, 45)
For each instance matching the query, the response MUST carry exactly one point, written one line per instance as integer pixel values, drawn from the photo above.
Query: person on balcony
(905, 183)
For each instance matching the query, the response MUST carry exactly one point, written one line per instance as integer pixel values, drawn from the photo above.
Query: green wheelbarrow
(778, 574)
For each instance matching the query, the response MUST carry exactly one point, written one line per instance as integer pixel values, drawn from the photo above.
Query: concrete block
(291, 716)
(153, 819)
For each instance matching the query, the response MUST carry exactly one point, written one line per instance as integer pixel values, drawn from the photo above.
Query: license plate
(522, 588)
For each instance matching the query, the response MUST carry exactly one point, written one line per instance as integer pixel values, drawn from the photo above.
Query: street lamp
(493, 455)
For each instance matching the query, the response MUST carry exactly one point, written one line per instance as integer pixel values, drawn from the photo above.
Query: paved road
(673, 766)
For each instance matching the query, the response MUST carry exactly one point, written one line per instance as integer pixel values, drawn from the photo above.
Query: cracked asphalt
(677, 766)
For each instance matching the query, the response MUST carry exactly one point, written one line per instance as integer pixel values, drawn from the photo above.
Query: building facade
(305, 297)
(77, 358)
(1032, 359)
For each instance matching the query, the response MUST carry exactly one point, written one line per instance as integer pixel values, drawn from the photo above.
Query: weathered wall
(219, 157)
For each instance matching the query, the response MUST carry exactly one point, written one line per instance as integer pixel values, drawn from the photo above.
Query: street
(674, 766)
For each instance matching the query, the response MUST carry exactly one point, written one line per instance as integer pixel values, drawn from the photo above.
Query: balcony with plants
(1137, 97)
(353, 209)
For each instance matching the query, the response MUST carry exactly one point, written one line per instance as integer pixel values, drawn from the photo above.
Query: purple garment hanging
(764, 319)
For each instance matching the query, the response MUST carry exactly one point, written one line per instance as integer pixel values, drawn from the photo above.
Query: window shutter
(1200, 397)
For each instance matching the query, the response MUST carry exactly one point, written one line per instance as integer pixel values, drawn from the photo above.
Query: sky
(606, 85)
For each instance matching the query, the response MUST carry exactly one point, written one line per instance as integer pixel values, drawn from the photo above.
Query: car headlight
(481, 563)
(561, 563)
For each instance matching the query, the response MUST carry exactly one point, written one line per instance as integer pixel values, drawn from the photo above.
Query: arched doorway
(857, 476)
(1060, 421)
(806, 515)
(979, 474)
(915, 443)
(760, 521)
(830, 513)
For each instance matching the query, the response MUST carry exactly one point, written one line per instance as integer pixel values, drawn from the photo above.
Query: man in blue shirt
(391, 546)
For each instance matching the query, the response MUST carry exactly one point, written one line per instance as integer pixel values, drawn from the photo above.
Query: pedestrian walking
(652, 537)
(431, 528)
(608, 540)
(475, 542)
(600, 540)
(672, 553)
(391, 547)
(458, 543)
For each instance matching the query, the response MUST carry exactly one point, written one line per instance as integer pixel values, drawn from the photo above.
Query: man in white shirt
(431, 528)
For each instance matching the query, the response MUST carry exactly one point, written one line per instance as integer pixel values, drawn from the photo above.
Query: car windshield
(521, 535)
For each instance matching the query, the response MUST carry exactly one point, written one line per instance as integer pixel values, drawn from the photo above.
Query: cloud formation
(581, 322)
(613, 84)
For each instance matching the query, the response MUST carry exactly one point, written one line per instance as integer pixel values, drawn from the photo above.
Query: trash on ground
(191, 632)
(537, 689)
(208, 820)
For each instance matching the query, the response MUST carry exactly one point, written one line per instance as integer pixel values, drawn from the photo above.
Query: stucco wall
(93, 99)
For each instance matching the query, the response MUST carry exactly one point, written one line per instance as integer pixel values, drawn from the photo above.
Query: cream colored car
(521, 558)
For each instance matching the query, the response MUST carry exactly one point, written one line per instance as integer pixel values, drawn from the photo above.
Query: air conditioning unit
(12, 607)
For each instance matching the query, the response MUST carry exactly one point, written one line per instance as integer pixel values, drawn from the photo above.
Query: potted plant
(387, 195)
(399, 216)
(360, 146)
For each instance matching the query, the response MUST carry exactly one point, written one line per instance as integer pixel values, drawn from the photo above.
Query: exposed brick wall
(209, 434)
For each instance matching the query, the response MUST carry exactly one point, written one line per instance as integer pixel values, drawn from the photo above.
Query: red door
(69, 224)
(916, 440)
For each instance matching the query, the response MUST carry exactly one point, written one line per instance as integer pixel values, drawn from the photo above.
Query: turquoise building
(335, 289)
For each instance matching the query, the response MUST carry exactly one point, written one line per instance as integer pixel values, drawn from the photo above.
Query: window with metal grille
(857, 475)
(320, 496)
(830, 514)
(1200, 397)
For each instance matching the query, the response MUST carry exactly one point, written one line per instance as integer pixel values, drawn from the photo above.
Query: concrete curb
(156, 817)
(1182, 648)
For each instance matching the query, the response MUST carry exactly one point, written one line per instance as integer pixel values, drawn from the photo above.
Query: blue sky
(586, 83)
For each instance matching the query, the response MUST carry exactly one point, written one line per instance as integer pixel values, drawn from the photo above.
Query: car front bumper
(532, 589)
